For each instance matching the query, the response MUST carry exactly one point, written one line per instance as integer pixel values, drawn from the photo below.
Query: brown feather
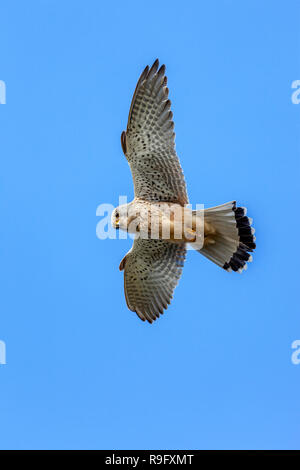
(123, 142)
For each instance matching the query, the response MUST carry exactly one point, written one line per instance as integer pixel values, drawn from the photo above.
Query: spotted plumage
(149, 141)
(153, 267)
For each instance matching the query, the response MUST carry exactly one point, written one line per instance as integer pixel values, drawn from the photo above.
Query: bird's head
(125, 218)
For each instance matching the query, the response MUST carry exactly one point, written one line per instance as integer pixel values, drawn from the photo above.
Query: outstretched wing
(152, 269)
(148, 142)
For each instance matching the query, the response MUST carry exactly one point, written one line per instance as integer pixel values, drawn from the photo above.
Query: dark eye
(117, 215)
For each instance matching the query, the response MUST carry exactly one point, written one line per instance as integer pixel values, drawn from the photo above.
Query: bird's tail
(233, 240)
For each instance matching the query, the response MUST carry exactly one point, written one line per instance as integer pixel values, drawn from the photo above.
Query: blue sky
(215, 372)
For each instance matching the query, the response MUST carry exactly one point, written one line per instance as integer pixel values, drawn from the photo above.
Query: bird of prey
(153, 266)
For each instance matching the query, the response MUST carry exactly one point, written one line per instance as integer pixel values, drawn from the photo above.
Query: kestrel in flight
(153, 266)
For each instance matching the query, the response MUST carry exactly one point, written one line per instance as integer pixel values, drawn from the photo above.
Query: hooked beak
(117, 222)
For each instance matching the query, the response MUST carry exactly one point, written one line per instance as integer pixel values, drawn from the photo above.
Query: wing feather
(152, 269)
(149, 141)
